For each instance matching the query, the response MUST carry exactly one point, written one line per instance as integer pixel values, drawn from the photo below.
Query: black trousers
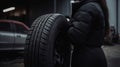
(88, 57)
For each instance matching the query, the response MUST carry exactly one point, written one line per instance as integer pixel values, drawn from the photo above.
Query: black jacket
(87, 25)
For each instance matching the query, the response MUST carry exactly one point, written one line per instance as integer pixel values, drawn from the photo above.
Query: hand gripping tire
(46, 44)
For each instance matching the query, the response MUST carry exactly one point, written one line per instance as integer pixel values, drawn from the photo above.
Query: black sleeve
(81, 24)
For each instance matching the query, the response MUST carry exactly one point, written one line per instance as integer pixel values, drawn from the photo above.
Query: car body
(12, 35)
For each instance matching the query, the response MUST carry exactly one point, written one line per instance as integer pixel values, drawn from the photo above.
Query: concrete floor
(12, 60)
(112, 54)
(12, 63)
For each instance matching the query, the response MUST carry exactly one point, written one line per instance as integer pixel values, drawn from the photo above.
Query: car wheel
(47, 44)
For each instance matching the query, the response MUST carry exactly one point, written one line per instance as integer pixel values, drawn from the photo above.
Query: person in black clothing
(87, 31)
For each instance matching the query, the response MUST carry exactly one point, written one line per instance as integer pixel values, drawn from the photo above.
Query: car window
(5, 27)
(20, 29)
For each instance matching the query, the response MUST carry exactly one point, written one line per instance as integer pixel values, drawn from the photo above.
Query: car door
(6, 36)
(20, 37)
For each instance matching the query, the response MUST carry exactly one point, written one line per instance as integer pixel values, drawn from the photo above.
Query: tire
(46, 44)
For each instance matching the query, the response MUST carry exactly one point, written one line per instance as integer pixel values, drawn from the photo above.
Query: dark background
(25, 11)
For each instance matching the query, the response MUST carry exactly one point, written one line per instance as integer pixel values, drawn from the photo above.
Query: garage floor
(12, 60)
(112, 54)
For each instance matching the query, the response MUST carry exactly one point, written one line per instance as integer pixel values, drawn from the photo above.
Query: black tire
(46, 44)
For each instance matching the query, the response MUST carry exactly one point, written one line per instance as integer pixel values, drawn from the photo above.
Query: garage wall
(119, 16)
(39, 7)
(112, 12)
(64, 7)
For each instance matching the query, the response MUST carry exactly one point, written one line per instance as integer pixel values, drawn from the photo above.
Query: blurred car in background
(113, 36)
(12, 35)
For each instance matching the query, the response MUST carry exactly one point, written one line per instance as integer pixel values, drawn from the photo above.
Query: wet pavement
(112, 53)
